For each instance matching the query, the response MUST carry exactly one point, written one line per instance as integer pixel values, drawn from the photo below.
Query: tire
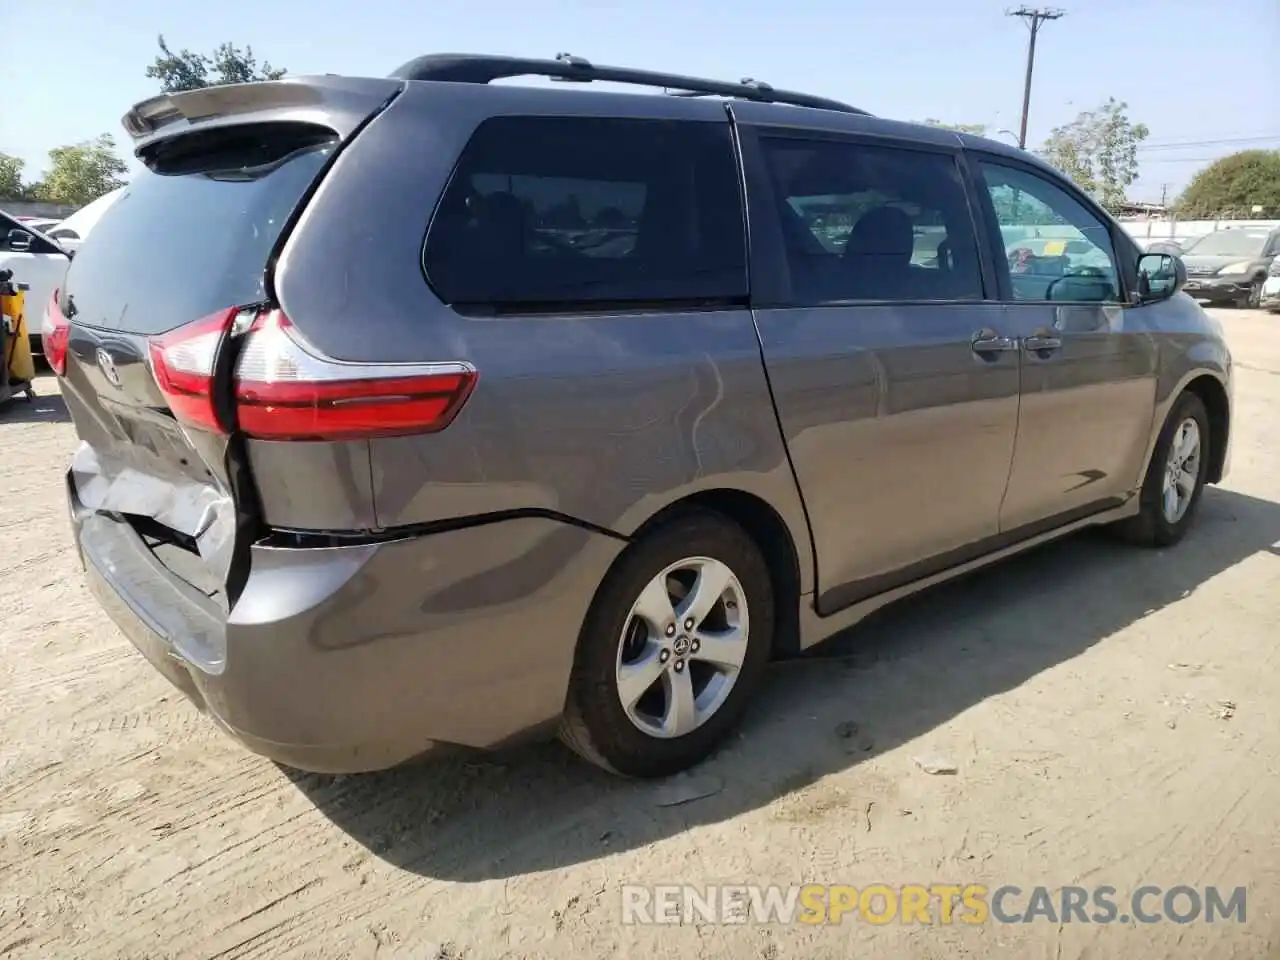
(1253, 299)
(595, 724)
(1152, 526)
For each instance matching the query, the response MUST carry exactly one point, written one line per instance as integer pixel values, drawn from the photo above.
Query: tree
(977, 129)
(11, 185)
(185, 70)
(1099, 151)
(82, 172)
(1233, 186)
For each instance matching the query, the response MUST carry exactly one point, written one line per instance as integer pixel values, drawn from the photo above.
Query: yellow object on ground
(1055, 248)
(17, 346)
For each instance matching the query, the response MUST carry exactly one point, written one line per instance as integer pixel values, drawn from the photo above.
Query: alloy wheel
(1182, 470)
(682, 647)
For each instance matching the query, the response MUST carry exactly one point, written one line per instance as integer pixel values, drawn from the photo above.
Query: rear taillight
(183, 364)
(55, 330)
(285, 390)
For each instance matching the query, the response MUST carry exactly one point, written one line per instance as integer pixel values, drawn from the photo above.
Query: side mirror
(19, 241)
(1160, 276)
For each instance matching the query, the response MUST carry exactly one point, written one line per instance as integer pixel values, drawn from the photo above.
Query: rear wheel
(1175, 478)
(674, 645)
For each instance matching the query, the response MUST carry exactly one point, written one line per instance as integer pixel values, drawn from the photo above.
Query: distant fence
(1144, 231)
(1186, 229)
(37, 208)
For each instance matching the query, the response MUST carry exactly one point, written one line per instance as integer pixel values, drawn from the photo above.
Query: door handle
(1037, 344)
(988, 341)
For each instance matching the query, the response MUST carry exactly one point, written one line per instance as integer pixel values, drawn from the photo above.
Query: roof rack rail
(480, 68)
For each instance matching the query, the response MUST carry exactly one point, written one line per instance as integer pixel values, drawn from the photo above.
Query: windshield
(1229, 243)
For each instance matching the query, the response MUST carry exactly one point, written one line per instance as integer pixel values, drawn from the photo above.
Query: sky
(1205, 78)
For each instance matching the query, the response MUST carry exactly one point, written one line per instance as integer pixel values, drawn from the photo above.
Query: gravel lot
(1080, 690)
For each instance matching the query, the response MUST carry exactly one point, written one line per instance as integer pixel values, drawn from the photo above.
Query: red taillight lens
(286, 391)
(183, 364)
(55, 331)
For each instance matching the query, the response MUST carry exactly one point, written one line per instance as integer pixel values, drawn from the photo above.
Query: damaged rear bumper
(356, 658)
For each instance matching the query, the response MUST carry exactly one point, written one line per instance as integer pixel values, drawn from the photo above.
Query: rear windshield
(192, 238)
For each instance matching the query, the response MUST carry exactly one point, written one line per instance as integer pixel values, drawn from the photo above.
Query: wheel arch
(766, 527)
(1208, 385)
(1218, 406)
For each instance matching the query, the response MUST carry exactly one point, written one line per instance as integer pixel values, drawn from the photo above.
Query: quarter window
(1054, 247)
(872, 223)
(566, 213)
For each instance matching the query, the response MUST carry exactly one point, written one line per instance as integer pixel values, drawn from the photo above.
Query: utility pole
(1035, 18)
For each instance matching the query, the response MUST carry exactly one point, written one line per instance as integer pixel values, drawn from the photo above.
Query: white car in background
(36, 261)
(43, 224)
(70, 233)
(40, 259)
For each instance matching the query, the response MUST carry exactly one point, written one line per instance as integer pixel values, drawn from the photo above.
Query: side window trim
(767, 253)
(771, 285)
(983, 225)
(1121, 245)
(993, 245)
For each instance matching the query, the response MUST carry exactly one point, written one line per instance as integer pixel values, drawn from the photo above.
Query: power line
(1226, 141)
(1035, 18)
(1229, 135)
(1182, 160)
(1145, 161)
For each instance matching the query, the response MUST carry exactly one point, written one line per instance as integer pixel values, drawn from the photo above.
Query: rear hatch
(144, 328)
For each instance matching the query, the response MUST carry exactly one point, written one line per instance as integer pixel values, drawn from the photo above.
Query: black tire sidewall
(1189, 406)
(593, 691)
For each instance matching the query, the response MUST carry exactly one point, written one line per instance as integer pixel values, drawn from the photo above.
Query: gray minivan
(421, 412)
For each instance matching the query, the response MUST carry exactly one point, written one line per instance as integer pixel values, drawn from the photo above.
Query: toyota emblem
(108, 367)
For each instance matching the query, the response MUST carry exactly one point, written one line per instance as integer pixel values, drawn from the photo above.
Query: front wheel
(674, 645)
(1175, 478)
(1253, 299)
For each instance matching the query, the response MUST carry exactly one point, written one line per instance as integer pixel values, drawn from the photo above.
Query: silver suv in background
(449, 413)
(1230, 265)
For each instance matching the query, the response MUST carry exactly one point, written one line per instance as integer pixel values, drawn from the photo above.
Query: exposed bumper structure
(324, 662)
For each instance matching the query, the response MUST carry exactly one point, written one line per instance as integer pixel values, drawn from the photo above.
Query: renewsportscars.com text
(938, 903)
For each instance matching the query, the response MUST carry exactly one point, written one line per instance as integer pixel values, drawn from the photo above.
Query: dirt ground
(1080, 691)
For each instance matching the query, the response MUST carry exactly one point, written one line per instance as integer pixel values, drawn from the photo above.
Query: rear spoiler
(339, 103)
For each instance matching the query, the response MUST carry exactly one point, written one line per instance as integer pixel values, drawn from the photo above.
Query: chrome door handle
(987, 341)
(1036, 344)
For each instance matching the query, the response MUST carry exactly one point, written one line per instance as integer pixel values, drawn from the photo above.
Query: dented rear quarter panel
(602, 419)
